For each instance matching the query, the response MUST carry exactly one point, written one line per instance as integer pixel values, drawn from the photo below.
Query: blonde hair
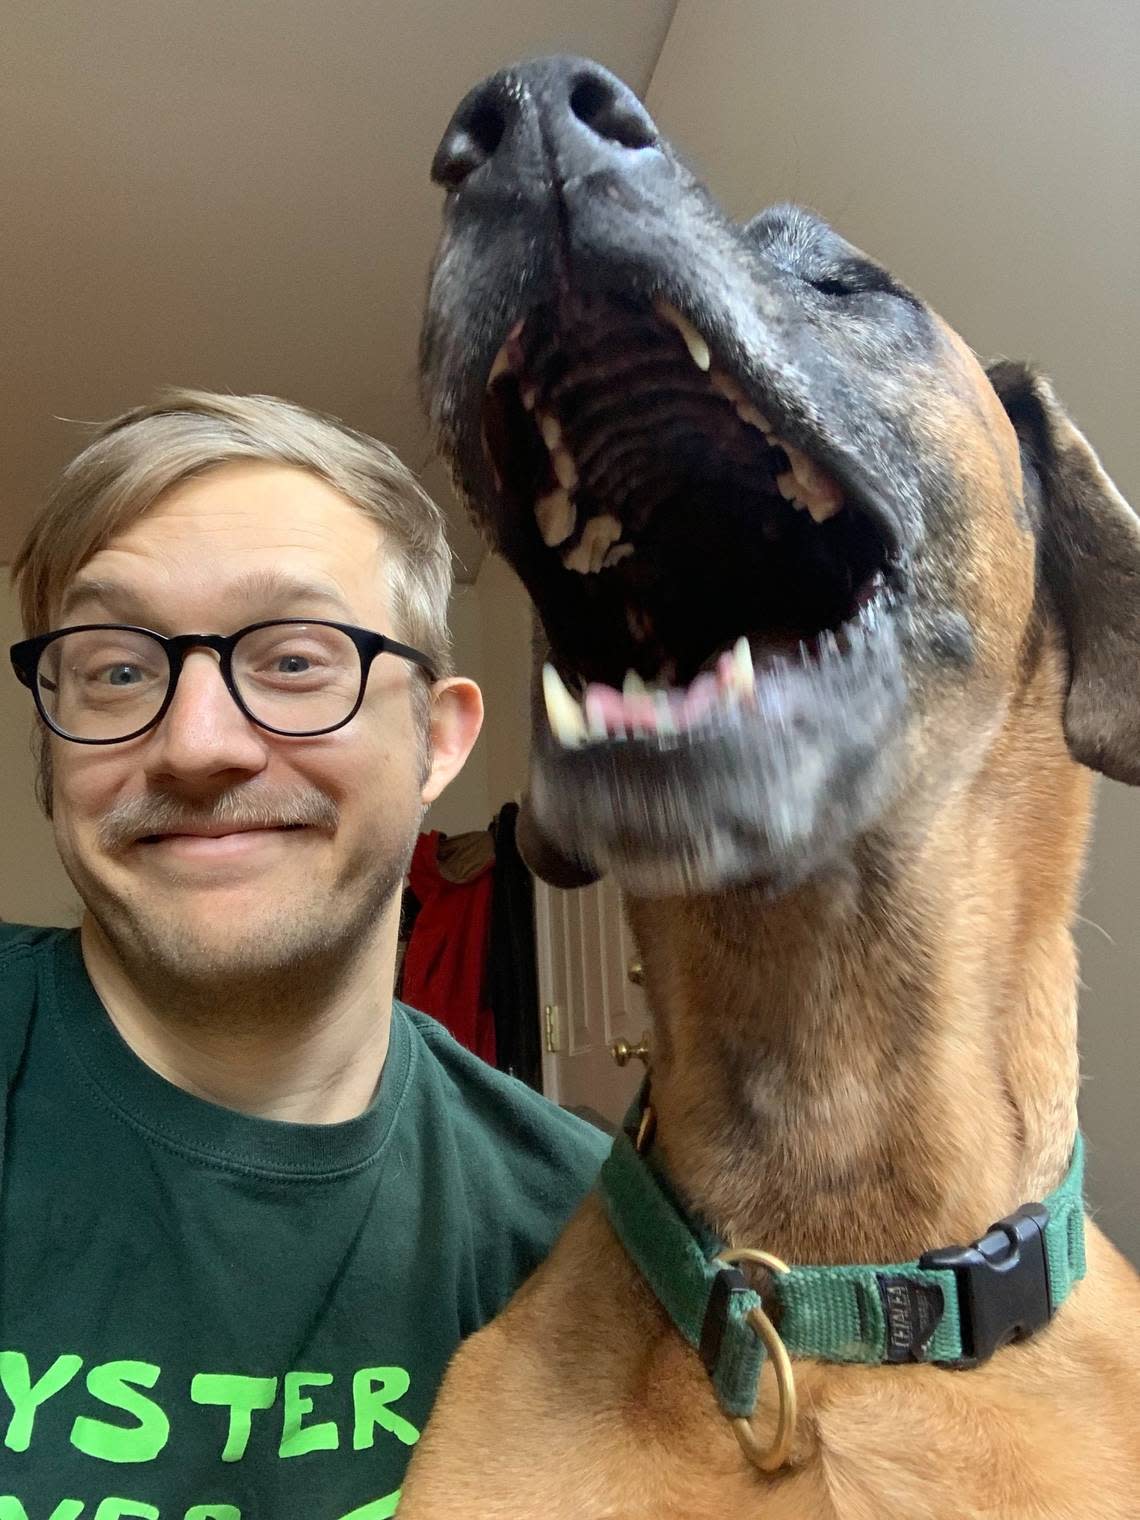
(134, 459)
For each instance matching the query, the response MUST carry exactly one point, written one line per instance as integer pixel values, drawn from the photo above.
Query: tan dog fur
(917, 1023)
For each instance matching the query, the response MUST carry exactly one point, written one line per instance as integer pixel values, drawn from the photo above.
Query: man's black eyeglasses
(104, 683)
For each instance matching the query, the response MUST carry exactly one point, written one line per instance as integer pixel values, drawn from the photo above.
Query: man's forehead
(269, 539)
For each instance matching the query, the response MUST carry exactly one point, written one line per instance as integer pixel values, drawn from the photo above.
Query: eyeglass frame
(26, 656)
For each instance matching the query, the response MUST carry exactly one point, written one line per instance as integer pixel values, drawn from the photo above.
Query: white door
(590, 998)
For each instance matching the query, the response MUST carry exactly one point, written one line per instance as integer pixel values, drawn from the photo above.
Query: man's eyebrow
(269, 591)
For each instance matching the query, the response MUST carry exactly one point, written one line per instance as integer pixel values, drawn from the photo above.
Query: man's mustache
(141, 817)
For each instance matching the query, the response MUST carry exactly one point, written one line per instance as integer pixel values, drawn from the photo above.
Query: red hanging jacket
(445, 964)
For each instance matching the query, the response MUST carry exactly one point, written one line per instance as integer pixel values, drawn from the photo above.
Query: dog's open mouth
(685, 553)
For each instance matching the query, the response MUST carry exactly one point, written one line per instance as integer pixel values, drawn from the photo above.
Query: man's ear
(1089, 565)
(456, 718)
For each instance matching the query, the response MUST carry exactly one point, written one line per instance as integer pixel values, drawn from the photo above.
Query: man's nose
(562, 116)
(204, 736)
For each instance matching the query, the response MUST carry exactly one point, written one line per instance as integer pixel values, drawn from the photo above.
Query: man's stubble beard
(291, 960)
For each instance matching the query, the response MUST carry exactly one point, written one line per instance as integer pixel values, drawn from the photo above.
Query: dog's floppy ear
(1089, 562)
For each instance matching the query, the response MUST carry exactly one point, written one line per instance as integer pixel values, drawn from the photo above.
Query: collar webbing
(954, 1306)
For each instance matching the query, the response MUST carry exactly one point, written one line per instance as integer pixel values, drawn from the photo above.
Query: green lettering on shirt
(379, 1509)
(66, 1509)
(213, 1512)
(295, 1439)
(120, 1509)
(26, 1396)
(110, 1383)
(242, 1395)
(373, 1389)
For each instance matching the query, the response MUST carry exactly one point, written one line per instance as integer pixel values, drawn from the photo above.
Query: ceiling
(236, 196)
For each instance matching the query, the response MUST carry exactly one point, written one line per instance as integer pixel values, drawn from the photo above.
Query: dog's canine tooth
(551, 430)
(556, 517)
(501, 366)
(633, 685)
(743, 671)
(698, 348)
(563, 713)
(565, 470)
(528, 395)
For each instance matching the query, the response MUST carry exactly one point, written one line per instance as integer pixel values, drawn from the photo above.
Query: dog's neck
(883, 1061)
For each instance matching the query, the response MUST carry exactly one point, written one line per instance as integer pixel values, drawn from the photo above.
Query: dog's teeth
(743, 672)
(595, 720)
(565, 470)
(556, 517)
(698, 348)
(666, 723)
(821, 495)
(616, 555)
(787, 487)
(564, 715)
(528, 395)
(753, 417)
(822, 510)
(589, 552)
(633, 685)
(551, 430)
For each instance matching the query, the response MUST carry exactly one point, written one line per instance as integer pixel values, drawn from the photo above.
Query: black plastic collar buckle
(1003, 1283)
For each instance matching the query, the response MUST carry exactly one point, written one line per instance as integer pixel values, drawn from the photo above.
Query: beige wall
(988, 152)
(490, 624)
(33, 886)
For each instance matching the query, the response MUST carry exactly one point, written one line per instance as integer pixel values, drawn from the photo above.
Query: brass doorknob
(623, 1052)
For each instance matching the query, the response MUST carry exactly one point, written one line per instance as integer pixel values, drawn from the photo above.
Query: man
(249, 1205)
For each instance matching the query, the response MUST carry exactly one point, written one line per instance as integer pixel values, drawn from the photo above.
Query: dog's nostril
(469, 143)
(612, 112)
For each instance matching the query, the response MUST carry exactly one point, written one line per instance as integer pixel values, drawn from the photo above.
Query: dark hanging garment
(445, 964)
(512, 971)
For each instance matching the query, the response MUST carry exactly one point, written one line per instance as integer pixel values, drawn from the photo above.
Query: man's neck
(308, 1053)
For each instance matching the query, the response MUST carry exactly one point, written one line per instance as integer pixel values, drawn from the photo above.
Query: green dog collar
(954, 1307)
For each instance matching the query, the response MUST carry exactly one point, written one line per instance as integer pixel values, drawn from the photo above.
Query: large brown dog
(850, 847)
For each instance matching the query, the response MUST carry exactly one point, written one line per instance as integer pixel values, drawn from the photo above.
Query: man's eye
(117, 675)
(292, 664)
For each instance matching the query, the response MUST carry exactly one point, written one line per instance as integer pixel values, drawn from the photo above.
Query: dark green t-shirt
(205, 1316)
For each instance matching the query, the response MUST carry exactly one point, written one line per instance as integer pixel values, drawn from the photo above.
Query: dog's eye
(856, 280)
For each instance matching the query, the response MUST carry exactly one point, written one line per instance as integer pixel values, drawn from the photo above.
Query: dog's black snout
(474, 133)
(565, 109)
(611, 110)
